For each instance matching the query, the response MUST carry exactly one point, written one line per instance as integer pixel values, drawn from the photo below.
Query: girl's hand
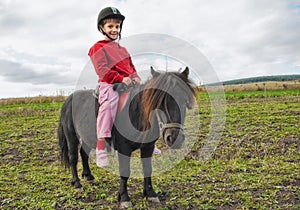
(127, 80)
(136, 81)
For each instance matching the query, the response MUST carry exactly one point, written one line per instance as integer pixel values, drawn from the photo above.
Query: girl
(112, 64)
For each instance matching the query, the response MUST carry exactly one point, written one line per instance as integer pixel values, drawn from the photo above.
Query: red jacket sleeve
(100, 63)
(134, 74)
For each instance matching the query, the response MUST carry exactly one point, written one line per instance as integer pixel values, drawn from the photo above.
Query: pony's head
(165, 100)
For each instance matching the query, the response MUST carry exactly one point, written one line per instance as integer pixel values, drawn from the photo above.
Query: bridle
(162, 126)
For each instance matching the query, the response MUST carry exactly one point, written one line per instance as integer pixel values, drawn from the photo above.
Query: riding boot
(101, 154)
(156, 150)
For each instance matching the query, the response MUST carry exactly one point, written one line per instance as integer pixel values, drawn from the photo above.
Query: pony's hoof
(91, 181)
(77, 186)
(88, 177)
(153, 199)
(125, 204)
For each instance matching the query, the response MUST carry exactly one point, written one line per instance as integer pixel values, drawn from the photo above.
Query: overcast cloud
(44, 44)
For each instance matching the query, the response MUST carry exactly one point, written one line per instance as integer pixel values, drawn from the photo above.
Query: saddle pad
(122, 101)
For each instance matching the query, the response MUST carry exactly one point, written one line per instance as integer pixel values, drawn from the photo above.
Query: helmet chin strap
(111, 39)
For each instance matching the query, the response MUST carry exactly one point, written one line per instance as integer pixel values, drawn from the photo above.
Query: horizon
(67, 92)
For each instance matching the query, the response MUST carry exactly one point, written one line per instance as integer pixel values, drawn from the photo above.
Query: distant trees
(259, 79)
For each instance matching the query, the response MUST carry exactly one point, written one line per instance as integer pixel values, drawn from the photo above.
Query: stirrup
(110, 148)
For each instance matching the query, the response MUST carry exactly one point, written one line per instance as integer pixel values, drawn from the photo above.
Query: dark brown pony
(155, 109)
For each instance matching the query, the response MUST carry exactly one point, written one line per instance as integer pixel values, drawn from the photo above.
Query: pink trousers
(108, 101)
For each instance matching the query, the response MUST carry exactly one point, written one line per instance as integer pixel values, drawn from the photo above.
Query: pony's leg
(73, 156)
(73, 143)
(123, 196)
(124, 169)
(146, 156)
(84, 151)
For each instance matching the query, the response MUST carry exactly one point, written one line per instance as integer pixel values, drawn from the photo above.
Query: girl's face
(112, 28)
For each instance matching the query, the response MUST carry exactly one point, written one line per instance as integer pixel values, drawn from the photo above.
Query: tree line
(259, 79)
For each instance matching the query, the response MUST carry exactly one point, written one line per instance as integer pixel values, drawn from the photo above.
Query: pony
(153, 109)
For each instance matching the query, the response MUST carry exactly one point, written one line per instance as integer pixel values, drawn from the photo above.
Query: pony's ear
(186, 72)
(154, 73)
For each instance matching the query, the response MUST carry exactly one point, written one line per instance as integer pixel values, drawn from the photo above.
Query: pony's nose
(179, 141)
(174, 139)
(169, 140)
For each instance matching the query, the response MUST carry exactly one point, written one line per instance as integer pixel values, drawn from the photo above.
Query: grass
(255, 166)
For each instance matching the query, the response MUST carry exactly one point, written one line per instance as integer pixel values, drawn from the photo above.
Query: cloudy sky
(44, 44)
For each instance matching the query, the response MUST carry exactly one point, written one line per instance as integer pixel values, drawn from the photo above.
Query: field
(256, 164)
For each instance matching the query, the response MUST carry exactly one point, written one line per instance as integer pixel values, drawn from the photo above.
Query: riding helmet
(109, 12)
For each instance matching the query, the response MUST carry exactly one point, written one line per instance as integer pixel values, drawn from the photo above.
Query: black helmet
(109, 12)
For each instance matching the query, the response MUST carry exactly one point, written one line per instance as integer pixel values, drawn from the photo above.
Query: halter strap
(162, 126)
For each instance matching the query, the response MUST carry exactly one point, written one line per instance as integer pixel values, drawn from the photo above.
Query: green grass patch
(256, 164)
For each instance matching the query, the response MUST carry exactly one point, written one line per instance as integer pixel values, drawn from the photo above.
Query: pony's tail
(62, 141)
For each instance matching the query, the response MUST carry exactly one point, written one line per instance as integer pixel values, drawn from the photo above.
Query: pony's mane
(159, 87)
